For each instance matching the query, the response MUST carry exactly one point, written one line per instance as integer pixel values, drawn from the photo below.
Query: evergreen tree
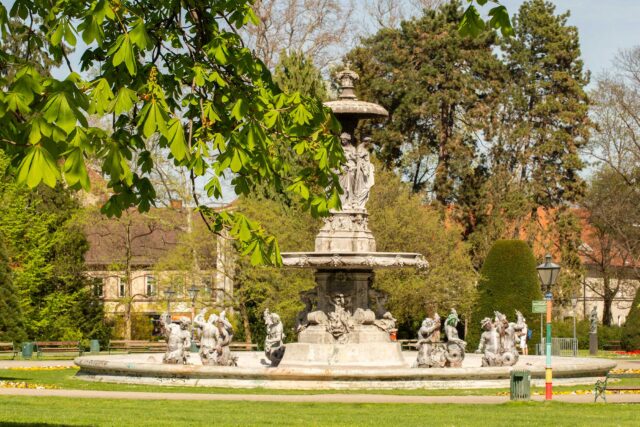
(439, 89)
(11, 322)
(631, 328)
(544, 117)
(295, 72)
(46, 247)
(508, 282)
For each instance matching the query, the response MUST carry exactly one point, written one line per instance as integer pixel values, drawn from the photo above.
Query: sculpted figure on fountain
(178, 338)
(215, 336)
(498, 341)
(273, 344)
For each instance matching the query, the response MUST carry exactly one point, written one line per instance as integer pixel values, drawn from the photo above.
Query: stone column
(593, 343)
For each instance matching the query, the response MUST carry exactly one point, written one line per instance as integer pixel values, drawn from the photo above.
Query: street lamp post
(548, 274)
(574, 304)
(169, 293)
(193, 294)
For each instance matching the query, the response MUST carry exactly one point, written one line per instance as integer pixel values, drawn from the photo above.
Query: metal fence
(560, 347)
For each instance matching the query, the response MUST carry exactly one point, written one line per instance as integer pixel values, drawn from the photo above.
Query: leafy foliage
(46, 249)
(295, 72)
(401, 222)
(631, 329)
(508, 282)
(170, 70)
(472, 23)
(11, 321)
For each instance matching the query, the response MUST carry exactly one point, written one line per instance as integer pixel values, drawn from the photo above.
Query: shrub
(508, 282)
(11, 324)
(631, 330)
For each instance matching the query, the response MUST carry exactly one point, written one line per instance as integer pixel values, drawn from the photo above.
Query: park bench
(612, 345)
(242, 346)
(8, 348)
(58, 347)
(408, 344)
(137, 346)
(602, 386)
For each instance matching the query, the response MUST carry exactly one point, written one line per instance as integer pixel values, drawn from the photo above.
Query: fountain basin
(252, 372)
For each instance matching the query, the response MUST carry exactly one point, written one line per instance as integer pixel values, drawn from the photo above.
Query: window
(97, 285)
(150, 285)
(121, 287)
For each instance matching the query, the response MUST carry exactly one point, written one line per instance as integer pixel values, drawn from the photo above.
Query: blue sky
(605, 27)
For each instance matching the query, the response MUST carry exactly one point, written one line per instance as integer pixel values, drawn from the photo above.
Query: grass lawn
(63, 411)
(65, 379)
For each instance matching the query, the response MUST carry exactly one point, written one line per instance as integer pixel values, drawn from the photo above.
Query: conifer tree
(11, 325)
(296, 73)
(508, 282)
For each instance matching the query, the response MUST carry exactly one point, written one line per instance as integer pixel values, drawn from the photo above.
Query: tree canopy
(172, 74)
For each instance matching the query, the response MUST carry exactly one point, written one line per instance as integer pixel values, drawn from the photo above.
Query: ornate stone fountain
(339, 327)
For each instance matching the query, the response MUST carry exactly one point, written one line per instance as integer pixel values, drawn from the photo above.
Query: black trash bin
(520, 385)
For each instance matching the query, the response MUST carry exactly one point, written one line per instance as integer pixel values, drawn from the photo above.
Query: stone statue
(309, 298)
(364, 179)
(507, 332)
(349, 170)
(273, 344)
(223, 354)
(209, 336)
(450, 326)
(593, 317)
(521, 332)
(178, 339)
(498, 341)
(340, 321)
(489, 344)
(387, 323)
(356, 177)
(429, 354)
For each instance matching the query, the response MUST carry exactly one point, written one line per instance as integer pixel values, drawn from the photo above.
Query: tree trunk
(608, 296)
(245, 323)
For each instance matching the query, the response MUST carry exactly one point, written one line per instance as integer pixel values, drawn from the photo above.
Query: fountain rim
(361, 109)
(354, 260)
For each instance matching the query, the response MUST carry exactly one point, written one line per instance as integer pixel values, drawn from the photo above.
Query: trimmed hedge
(631, 330)
(508, 282)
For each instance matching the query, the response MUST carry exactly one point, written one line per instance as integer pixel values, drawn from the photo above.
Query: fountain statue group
(498, 342)
(432, 353)
(341, 323)
(216, 334)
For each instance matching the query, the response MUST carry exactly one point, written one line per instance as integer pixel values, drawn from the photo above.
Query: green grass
(65, 379)
(113, 412)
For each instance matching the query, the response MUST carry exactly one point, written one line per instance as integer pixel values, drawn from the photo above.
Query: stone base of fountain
(382, 355)
(253, 371)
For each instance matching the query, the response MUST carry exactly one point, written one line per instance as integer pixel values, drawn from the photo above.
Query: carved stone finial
(346, 80)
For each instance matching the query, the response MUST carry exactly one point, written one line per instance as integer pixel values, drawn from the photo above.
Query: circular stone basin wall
(252, 372)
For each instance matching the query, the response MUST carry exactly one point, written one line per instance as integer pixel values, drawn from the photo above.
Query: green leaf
(239, 109)
(471, 24)
(271, 118)
(237, 158)
(38, 166)
(122, 51)
(175, 136)
(300, 188)
(101, 97)
(301, 115)
(17, 102)
(75, 171)
(124, 101)
(500, 19)
(140, 37)
(58, 111)
(153, 117)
